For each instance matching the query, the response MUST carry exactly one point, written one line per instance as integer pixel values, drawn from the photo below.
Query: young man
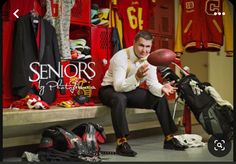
(120, 89)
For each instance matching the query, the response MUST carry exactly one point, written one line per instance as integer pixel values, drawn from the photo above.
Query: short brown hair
(143, 34)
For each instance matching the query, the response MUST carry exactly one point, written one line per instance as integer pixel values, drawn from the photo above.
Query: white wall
(221, 71)
(221, 74)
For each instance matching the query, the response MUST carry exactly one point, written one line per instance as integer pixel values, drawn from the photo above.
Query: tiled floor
(150, 149)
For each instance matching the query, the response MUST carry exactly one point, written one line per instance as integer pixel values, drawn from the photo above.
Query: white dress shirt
(121, 73)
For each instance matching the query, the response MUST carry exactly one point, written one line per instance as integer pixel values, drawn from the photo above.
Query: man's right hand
(141, 72)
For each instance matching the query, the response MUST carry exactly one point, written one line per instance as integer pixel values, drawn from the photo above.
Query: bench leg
(187, 120)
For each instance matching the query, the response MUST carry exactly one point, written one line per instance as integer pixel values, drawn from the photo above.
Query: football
(161, 57)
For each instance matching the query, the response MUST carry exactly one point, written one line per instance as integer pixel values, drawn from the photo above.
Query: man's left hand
(168, 88)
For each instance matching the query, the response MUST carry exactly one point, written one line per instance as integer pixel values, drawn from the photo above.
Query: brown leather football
(161, 57)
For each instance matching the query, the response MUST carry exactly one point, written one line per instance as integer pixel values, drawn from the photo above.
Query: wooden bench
(25, 127)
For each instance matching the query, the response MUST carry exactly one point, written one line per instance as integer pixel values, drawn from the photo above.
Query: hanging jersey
(116, 21)
(58, 14)
(134, 16)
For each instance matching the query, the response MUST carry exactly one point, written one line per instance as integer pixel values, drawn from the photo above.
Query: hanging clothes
(116, 23)
(134, 16)
(28, 47)
(115, 40)
(58, 13)
(202, 26)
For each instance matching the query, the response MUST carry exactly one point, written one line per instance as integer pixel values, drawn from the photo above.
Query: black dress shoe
(125, 150)
(174, 144)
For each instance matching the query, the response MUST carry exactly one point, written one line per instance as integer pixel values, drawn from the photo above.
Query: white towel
(210, 90)
(190, 140)
(30, 157)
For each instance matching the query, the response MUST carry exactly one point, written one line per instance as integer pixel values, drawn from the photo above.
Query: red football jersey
(134, 17)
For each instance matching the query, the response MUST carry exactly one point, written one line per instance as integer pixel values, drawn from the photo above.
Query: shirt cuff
(134, 81)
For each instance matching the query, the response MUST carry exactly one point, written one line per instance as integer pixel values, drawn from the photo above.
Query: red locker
(161, 41)
(80, 13)
(101, 42)
(163, 28)
(163, 14)
(99, 39)
(8, 28)
(101, 53)
(23, 7)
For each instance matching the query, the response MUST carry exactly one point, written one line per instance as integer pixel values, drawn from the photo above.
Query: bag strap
(129, 62)
(207, 119)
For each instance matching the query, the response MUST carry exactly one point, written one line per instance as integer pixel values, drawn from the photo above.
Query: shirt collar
(133, 57)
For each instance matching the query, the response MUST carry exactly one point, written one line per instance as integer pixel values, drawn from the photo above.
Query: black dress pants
(138, 98)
